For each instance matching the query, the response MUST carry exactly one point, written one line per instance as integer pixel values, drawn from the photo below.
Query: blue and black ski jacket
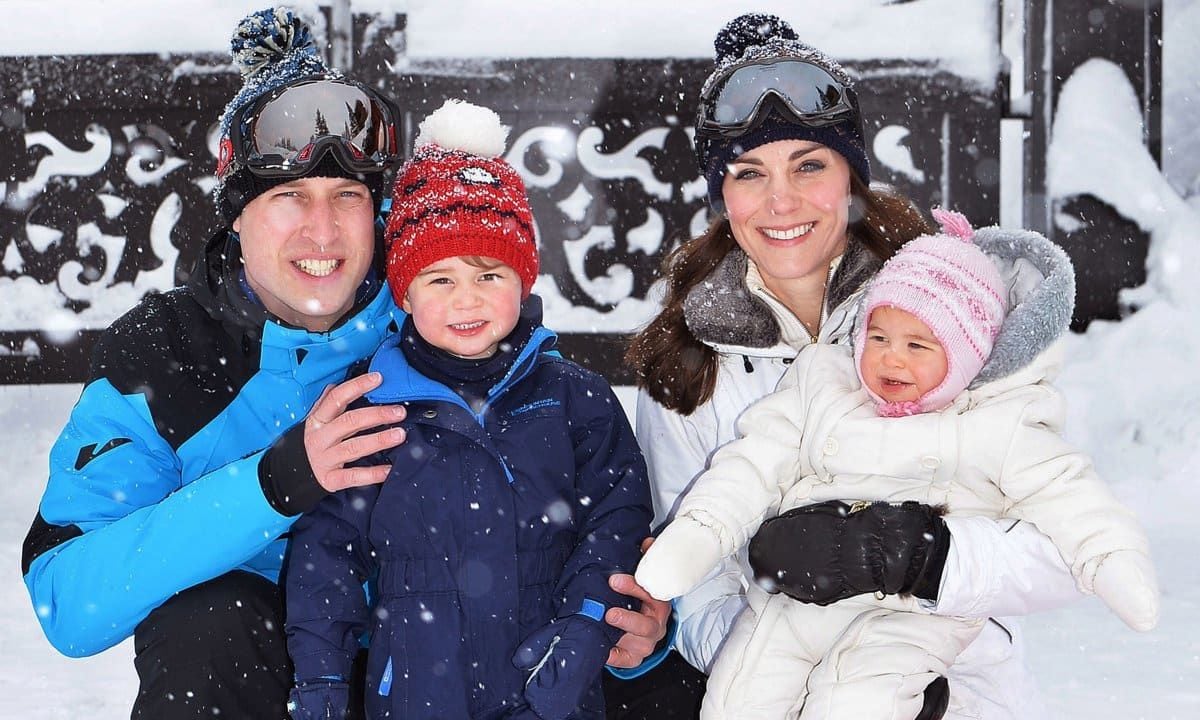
(158, 482)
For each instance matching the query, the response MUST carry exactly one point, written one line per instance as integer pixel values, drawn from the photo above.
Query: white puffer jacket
(995, 569)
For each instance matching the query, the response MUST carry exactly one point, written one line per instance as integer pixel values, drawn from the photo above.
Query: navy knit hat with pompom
(761, 37)
(273, 48)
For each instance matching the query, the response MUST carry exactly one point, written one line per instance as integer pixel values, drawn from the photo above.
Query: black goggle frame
(271, 140)
(802, 90)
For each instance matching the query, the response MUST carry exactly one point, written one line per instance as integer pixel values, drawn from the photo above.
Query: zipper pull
(858, 505)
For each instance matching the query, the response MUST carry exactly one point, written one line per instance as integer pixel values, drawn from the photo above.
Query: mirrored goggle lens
(304, 114)
(807, 89)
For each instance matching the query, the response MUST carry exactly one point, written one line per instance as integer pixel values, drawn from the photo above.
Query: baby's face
(902, 360)
(465, 308)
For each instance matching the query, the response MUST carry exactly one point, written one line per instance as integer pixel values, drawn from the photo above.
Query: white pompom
(459, 125)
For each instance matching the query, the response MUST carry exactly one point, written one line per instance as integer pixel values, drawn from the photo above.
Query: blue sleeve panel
(146, 534)
(593, 609)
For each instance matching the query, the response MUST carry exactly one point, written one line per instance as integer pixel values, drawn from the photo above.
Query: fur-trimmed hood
(722, 312)
(1041, 298)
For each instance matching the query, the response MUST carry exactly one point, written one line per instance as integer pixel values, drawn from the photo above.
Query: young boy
(898, 417)
(519, 490)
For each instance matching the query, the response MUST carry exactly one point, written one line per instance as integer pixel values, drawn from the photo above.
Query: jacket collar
(215, 282)
(721, 311)
(401, 382)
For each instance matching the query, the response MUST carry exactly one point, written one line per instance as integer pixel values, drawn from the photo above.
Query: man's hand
(332, 439)
(643, 629)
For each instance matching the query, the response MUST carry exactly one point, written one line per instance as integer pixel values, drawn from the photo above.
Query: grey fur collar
(721, 310)
(1041, 297)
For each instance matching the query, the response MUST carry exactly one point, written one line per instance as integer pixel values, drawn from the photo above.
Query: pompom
(267, 36)
(459, 125)
(750, 30)
(954, 224)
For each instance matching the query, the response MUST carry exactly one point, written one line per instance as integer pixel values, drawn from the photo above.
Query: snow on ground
(35, 681)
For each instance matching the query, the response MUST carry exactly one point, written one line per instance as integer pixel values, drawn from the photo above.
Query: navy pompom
(273, 49)
(266, 37)
(750, 30)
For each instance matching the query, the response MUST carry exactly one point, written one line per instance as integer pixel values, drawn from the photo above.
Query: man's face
(307, 246)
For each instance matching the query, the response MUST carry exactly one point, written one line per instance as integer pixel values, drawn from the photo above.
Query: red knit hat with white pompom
(457, 196)
(949, 284)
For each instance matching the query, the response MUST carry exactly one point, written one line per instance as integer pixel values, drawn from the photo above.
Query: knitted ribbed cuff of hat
(244, 186)
(840, 138)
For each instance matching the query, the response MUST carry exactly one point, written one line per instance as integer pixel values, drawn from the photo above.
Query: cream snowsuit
(996, 451)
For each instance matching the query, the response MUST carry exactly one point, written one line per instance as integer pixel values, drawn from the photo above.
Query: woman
(779, 139)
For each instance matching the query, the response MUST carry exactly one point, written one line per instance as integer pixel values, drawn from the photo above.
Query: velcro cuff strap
(591, 608)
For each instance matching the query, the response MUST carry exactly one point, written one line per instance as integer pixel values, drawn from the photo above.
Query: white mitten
(679, 558)
(1126, 582)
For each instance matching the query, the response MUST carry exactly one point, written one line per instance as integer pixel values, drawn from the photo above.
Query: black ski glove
(830, 551)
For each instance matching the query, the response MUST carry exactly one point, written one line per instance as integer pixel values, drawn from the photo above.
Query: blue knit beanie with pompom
(272, 48)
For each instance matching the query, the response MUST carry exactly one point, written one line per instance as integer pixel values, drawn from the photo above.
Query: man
(216, 413)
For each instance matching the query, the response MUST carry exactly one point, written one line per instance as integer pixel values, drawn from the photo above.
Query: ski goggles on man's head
(285, 132)
(808, 92)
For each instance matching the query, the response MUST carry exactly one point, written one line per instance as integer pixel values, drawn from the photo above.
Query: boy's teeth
(788, 234)
(467, 326)
(318, 268)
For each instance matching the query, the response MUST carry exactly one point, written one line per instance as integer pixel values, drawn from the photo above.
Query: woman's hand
(831, 551)
(644, 629)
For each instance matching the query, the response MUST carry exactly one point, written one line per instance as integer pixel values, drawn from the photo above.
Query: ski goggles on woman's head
(285, 132)
(808, 92)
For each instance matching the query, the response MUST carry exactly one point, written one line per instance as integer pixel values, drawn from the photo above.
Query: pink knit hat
(946, 282)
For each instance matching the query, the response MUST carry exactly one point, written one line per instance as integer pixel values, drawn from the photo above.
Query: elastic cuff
(930, 580)
(323, 667)
(287, 479)
(322, 680)
(652, 660)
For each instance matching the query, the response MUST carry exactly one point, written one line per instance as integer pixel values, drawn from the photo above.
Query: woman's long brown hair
(679, 371)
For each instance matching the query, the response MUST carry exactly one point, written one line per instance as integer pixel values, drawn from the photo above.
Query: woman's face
(788, 204)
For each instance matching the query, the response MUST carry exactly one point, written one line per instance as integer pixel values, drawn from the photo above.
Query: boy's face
(463, 309)
(902, 360)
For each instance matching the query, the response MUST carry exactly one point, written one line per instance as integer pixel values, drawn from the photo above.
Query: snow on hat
(457, 196)
(949, 284)
(757, 37)
(272, 48)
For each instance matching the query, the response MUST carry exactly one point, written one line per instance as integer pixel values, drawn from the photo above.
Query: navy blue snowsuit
(491, 544)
